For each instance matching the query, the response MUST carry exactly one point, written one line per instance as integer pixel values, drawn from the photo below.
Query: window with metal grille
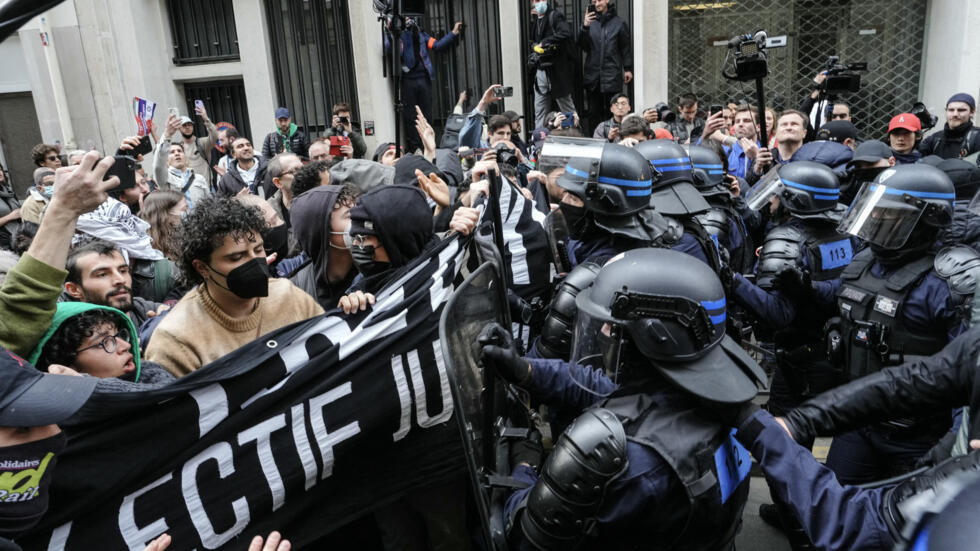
(474, 64)
(203, 31)
(313, 60)
(574, 12)
(887, 34)
(224, 101)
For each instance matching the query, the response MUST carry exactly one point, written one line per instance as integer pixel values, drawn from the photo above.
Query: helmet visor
(557, 151)
(596, 344)
(768, 187)
(882, 216)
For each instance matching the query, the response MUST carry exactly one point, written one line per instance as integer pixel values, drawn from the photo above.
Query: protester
(171, 169)
(619, 106)
(688, 127)
(608, 45)
(330, 269)
(282, 169)
(234, 301)
(904, 134)
(960, 136)
(163, 210)
(245, 172)
(38, 196)
(196, 150)
(46, 156)
(551, 55)
(287, 137)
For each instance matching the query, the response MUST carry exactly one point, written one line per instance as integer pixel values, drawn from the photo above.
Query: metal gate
(574, 11)
(225, 102)
(474, 64)
(887, 34)
(313, 60)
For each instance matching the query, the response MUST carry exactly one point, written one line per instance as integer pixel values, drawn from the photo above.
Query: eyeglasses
(108, 343)
(52, 158)
(290, 171)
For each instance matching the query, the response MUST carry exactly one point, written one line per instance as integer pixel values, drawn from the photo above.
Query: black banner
(300, 431)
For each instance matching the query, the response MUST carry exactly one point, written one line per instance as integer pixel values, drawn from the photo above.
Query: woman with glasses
(98, 341)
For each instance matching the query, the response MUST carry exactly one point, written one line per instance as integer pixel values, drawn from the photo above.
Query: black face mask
(276, 240)
(25, 482)
(250, 280)
(365, 263)
(577, 220)
(921, 240)
(862, 175)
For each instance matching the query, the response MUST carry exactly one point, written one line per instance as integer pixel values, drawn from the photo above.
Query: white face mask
(541, 7)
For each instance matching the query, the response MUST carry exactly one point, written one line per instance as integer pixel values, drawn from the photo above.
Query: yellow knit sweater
(197, 332)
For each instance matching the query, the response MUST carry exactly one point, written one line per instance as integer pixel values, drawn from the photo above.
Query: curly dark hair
(347, 197)
(63, 345)
(308, 177)
(206, 227)
(40, 151)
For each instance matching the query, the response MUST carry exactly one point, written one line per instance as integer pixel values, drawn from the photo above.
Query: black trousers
(415, 91)
(597, 103)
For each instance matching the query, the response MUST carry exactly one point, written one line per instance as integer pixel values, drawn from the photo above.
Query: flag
(301, 431)
(143, 109)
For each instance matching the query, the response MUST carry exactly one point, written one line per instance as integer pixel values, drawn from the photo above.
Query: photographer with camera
(341, 126)
(550, 61)
(960, 137)
(608, 45)
(832, 109)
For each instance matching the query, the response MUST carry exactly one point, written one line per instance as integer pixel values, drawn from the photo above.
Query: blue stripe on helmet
(798, 185)
(719, 319)
(671, 161)
(638, 192)
(826, 197)
(713, 304)
(609, 180)
(708, 166)
(716, 172)
(922, 194)
(672, 168)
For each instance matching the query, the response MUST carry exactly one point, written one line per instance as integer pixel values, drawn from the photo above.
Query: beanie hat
(965, 98)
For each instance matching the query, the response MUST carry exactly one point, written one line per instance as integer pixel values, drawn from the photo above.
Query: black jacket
(948, 379)
(608, 46)
(951, 144)
(231, 183)
(274, 144)
(554, 34)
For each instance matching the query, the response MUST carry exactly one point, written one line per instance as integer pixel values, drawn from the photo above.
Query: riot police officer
(898, 299)
(675, 197)
(606, 192)
(723, 222)
(803, 246)
(646, 467)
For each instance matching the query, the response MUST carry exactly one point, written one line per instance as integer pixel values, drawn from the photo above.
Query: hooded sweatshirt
(402, 220)
(310, 215)
(68, 310)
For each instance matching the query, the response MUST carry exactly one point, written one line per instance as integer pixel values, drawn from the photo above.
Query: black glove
(498, 351)
(728, 281)
(528, 451)
(795, 284)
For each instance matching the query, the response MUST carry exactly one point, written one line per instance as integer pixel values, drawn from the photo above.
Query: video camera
(748, 56)
(927, 119)
(664, 114)
(843, 78)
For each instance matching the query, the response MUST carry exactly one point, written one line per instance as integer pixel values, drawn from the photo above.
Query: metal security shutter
(888, 34)
(203, 31)
(225, 102)
(313, 60)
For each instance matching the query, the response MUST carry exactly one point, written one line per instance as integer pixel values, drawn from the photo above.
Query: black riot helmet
(669, 309)
(674, 193)
(950, 519)
(806, 189)
(611, 179)
(903, 200)
(709, 171)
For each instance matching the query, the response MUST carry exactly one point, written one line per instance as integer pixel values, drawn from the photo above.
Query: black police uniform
(898, 300)
(648, 468)
(723, 222)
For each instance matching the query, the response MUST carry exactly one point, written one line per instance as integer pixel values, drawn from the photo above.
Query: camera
(505, 155)
(503, 92)
(843, 78)
(927, 119)
(748, 57)
(664, 114)
(344, 120)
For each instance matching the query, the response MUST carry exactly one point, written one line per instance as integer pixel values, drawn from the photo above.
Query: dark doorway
(19, 133)
(225, 102)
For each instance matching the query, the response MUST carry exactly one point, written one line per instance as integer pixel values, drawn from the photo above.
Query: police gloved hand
(528, 451)
(498, 351)
(728, 280)
(794, 283)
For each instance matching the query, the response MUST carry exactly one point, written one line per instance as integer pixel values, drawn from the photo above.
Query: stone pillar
(256, 64)
(512, 59)
(950, 59)
(650, 59)
(375, 94)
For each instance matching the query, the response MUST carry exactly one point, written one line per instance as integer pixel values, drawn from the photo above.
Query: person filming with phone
(342, 127)
(551, 56)
(608, 45)
(196, 150)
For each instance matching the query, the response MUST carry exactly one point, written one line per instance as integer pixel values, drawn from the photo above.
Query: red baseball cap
(908, 121)
(662, 134)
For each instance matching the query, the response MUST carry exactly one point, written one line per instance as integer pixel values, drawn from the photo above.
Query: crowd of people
(698, 266)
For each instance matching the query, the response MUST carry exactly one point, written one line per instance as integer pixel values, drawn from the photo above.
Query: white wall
(950, 58)
(650, 59)
(13, 67)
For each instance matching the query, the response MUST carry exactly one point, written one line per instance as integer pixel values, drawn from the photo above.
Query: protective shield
(766, 188)
(883, 216)
(557, 230)
(475, 393)
(596, 343)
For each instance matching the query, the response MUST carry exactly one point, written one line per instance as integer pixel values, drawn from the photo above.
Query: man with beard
(960, 137)
(99, 274)
(196, 150)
